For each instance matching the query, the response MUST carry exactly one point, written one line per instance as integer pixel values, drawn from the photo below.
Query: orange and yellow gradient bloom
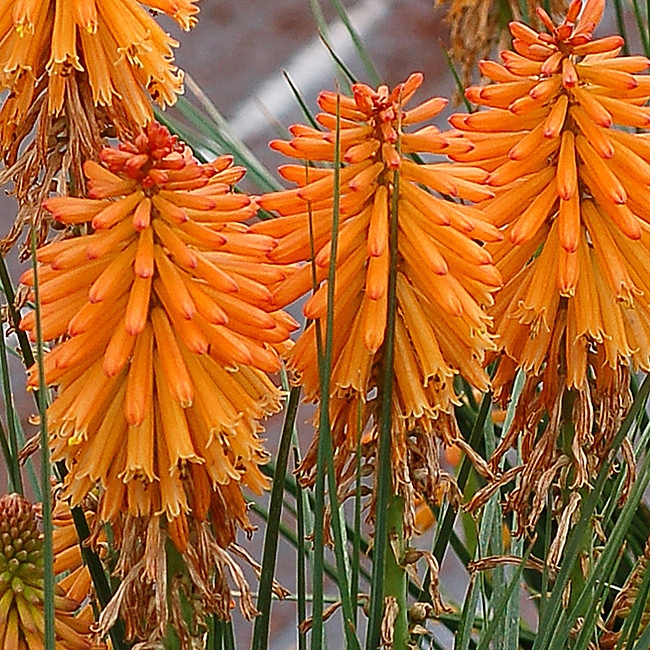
(572, 182)
(167, 329)
(115, 47)
(444, 276)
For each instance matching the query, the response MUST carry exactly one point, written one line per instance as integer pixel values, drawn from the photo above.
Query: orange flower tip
(94, 193)
(473, 94)
(519, 106)
(569, 246)
(222, 162)
(516, 237)
(375, 293)
(27, 277)
(27, 322)
(458, 121)
(289, 322)
(632, 229)
(110, 368)
(308, 311)
(50, 204)
(198, 347)
(134, 330)
(114, 157)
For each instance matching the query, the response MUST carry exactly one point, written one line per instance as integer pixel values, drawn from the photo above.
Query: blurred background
(239, 52)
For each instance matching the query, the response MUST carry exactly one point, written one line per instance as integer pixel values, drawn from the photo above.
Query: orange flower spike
(152, 298)
(430, 232)
(571, 189)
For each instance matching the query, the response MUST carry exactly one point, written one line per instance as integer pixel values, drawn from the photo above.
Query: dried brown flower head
(477, 26)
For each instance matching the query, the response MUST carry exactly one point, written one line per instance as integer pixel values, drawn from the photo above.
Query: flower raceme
(443, 275)
(169, 330)
(571, 181)
(568, 182)
(123, 53)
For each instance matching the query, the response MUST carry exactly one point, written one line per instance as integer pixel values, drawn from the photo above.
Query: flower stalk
(388, 504)
(326, 473)
(395, 577)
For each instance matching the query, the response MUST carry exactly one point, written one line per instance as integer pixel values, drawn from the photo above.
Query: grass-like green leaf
(301, 569)
(301, 102)
(49, 636)
(213, 133)
(384, 482)
(350, 78)
(371, 71)
(619, 9)
(501, 602)
(604, 568)
(356, 536)
(458, 81)
(13, 466)
(261, 628)
(448, 514)
(641, 24)
(467, 616)
(630, 628)
(325, 460)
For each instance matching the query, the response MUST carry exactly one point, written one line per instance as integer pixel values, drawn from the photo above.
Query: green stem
(301, 572)
(395, 578)
(356, 538)
(100, 581)
(384, 470)
(14, 316)
(325, 462)
(16, 480)
(568, 434)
